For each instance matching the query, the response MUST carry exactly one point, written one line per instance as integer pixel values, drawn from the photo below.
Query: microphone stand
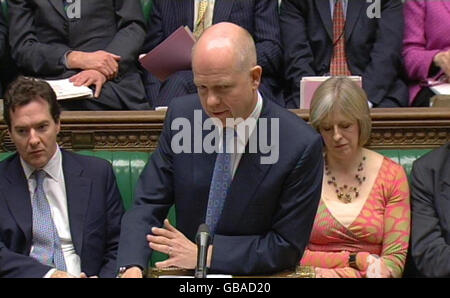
(202, 239)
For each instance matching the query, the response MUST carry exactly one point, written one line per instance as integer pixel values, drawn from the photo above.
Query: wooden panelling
(140, 130)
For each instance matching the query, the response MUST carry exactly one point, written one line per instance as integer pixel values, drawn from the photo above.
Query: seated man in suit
(3, 40)
(259, 17)
(260, 211)
(94, 43)
(60, 212)
(430, 198)
(342, 37)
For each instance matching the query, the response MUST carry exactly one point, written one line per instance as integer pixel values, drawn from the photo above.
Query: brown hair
(24, 90)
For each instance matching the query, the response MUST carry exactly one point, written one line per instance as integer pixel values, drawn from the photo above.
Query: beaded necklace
(346, 193)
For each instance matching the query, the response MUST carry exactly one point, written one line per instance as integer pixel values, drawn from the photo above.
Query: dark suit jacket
(268, 213)
(430, 197)
(3, 41)
(41, 33)
(95, 210)
(373, 46)
(259, 17)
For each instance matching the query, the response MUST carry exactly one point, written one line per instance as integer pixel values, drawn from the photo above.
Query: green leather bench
(128, 166)
(146, 8)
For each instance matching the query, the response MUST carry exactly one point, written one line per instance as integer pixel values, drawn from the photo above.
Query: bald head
(226, 40)
(225, 72)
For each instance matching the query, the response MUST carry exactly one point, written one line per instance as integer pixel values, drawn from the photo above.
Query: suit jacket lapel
(222, 10)
(353, 14)
(78, 191)
(18, 198)
(323, 7)
(58, 5)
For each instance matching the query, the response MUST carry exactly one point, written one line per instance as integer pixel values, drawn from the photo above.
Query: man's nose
(212, 99)
(34, 138)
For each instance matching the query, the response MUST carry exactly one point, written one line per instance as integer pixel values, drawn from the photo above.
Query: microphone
(202, 239)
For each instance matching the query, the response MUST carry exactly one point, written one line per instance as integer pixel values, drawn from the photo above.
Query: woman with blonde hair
(362, 224)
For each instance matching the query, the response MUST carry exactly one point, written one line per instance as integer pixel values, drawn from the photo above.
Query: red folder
(171, 55)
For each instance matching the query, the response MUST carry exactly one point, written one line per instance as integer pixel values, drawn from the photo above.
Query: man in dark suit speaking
(60, 212)
(94, 43)
(259, 203)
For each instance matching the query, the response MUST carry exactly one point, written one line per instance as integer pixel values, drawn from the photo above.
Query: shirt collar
(52, 168)
(242, 137)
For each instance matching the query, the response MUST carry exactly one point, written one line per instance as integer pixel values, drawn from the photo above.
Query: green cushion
(405, 157)
(125, 165)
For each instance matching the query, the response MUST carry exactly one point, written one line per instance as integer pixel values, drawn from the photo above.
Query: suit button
(66, 26)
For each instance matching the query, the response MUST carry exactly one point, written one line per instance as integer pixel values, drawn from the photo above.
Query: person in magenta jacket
(426, 46)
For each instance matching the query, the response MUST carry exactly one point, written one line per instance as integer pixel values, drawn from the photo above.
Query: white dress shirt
(242, 137)
(344, 7)
(55, 192)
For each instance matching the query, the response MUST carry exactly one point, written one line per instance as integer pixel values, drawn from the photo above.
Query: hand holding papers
(65, 89)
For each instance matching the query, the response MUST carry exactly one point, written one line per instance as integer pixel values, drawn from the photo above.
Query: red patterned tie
(339, 65)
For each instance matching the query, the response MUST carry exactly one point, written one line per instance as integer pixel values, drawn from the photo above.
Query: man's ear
(256, 74)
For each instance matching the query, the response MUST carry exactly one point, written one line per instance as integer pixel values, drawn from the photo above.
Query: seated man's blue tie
(46, 242)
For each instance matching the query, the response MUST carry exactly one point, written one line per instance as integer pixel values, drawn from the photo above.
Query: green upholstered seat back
(405, 157)
(127, 167)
